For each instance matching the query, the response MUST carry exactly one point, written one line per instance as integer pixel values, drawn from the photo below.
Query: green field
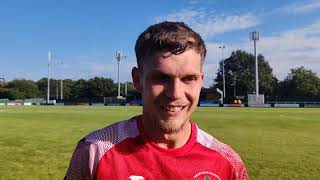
(37, 142)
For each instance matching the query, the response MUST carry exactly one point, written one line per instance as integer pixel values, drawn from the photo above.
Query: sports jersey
(122, 151)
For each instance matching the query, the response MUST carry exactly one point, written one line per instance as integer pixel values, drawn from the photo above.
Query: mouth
(173, 109)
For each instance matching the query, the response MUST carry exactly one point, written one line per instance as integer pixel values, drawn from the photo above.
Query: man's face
(170, 87)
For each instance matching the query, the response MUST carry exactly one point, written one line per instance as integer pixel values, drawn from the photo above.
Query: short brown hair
(173, 37)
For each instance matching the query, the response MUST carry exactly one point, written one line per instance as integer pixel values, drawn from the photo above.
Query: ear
(202, 78)
(136, 78)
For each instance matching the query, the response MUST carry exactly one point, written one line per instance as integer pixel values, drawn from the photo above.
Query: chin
(172, 124)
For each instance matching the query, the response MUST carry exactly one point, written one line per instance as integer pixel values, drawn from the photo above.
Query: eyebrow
(155, 72)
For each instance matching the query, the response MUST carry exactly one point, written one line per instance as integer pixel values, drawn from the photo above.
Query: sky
(83, 36)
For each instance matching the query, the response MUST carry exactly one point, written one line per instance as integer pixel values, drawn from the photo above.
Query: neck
(164, 139)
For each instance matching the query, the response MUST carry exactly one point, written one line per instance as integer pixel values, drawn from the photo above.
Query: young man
(162, 143)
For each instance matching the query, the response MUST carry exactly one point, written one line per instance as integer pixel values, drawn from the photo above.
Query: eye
(163, 77)
(189, 79)
(160, 78)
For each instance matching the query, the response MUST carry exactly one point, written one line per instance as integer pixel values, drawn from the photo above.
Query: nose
(174, 89)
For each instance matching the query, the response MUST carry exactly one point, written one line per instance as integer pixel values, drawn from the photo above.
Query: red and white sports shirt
(122, 151)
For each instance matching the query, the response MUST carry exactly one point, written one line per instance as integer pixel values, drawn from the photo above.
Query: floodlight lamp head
(119, 55)
(254, 36)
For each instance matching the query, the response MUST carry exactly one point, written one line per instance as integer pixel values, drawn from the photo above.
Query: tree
(27, 88)
(12, 94)
(2, 82)
(54, 88)
(240, 75)
(130, 86)
(99, 87)
(300, 84)
(42, 86)
(79, 89)
(67, 87)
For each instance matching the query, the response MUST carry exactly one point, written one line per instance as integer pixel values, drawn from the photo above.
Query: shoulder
(224, 150)
(114, 133)
(91, 148)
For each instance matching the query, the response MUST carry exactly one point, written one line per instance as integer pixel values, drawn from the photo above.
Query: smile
(173, 108)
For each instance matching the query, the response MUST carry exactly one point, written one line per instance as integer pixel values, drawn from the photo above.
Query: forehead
(187, 62)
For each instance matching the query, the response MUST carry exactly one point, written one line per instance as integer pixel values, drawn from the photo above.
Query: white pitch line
(291, 117)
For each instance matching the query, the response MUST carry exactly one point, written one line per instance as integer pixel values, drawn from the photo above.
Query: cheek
(153, 91)
(155, 87)
(194, 93)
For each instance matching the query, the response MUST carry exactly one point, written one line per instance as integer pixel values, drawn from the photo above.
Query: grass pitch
(37, 142)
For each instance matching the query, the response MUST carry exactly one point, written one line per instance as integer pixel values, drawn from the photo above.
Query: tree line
(300, 84)
(97, 87)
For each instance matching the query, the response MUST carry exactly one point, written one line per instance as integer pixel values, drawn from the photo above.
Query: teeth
(173, 108)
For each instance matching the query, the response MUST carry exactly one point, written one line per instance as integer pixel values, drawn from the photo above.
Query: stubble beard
(169, 126)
